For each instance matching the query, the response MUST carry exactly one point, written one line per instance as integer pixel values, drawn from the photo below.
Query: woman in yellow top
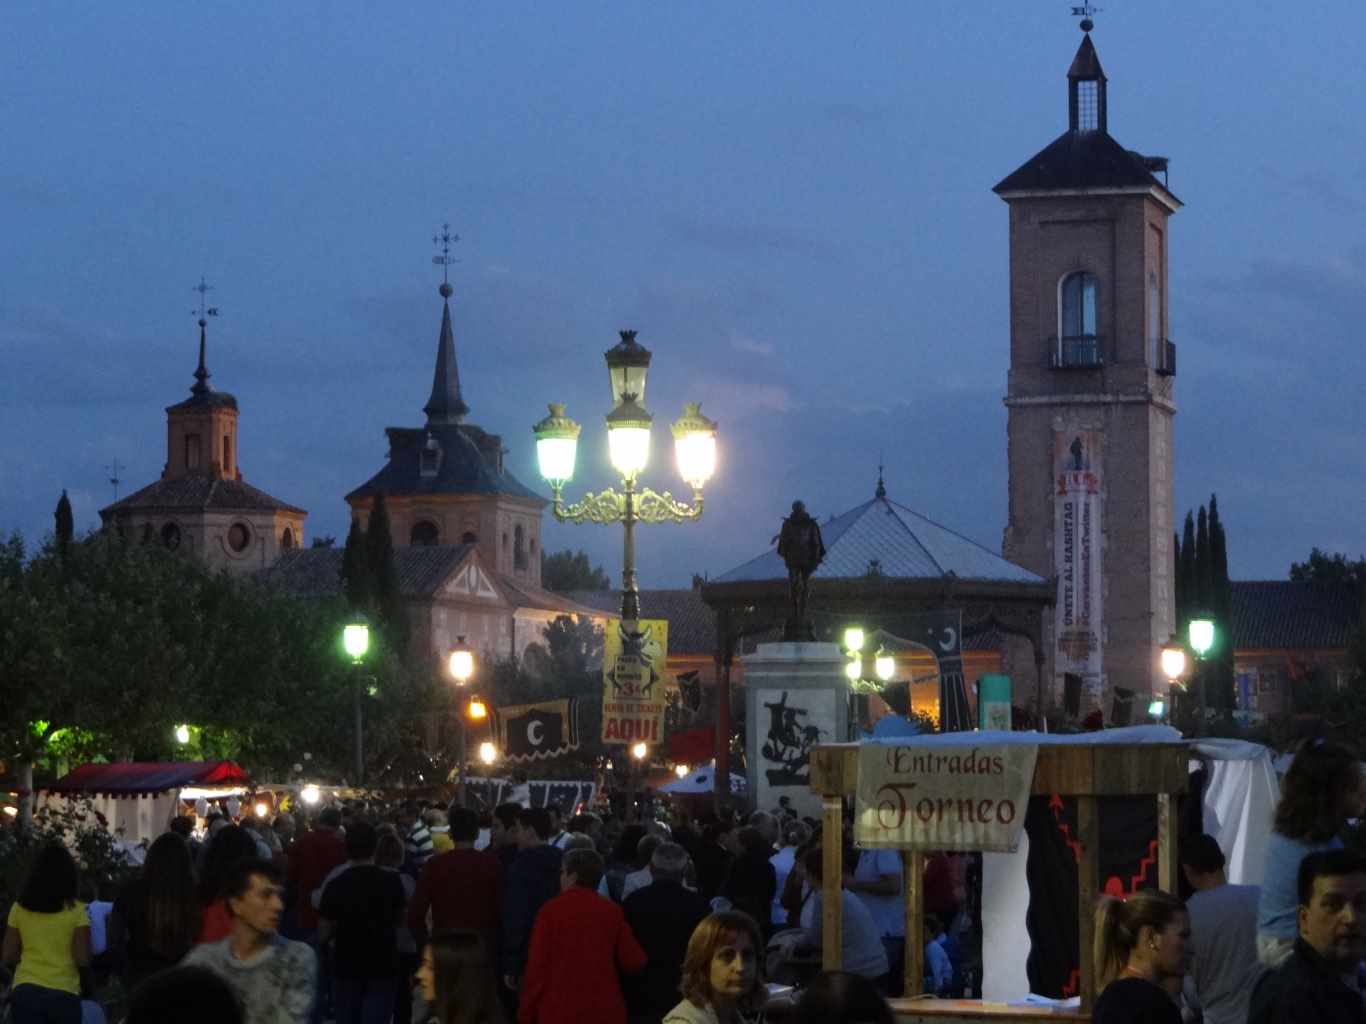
(49, 937)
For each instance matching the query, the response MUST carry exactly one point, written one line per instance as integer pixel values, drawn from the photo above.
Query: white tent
(699, 782)
(1239, 802)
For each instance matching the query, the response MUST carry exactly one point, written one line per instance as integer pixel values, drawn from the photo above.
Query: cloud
(753, 346)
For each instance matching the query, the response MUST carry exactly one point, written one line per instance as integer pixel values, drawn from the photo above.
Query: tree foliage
(568, 570)
(386, 596)
(1203, 590)
(1323, 567)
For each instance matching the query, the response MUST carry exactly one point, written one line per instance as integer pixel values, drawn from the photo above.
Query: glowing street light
(356, 642)
(1173, 660)
(477, 710)
(639, 751)
(310, 795)
(1201, 636)
(681, 770)
(853, 640)
(488, 753)
(356, 638)
(885, 666)
(262, 808)
(182, 734)
(460, 665)
(460, 662)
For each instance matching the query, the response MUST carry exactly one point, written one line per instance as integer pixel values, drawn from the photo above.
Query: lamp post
(639, 752)
(867, 673)
(356, 641)
(628, 448)
(460, 665)
(1201, 633)
(1173, 660)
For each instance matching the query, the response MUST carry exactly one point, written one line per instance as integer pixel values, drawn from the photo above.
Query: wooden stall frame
(1086, 771)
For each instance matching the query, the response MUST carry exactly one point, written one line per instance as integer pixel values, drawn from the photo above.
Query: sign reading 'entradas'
(943, 798)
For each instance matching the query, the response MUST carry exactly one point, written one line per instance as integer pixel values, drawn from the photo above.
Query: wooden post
(913, 886)
(1168, 863)
(1088, 888)
(832, 891)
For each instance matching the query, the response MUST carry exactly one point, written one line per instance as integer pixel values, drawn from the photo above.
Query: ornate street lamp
(628, 446)
(1173, 661)
(356, 642)
(1201, 634)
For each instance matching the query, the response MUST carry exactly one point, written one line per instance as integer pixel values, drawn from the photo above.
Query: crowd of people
(362, 913)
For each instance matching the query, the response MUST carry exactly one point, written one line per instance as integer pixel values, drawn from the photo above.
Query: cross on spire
(201, 373)
(444, 241)
(114, 479)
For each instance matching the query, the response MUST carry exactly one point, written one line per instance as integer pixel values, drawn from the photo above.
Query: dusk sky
(791, 202)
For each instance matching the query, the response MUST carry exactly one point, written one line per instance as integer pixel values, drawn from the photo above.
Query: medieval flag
(530, 732)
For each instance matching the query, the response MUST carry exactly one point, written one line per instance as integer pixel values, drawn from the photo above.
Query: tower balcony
(1075, 352)
(1164, 358)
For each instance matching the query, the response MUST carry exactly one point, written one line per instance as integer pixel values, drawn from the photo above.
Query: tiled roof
(902, 543)
(692, 625)
(523, 595)
(1281, 615)
(462, 468)
(199, 492)
(316, 572)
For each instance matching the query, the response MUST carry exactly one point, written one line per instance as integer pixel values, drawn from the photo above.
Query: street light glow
(628, 437)
(853, 639)
(639, 751)
(1173, 661)
(262, 809)
(695, 445)
(681, 770)
(1157, 708)
(478, 710)
(885, 666)
(461, 662)
(488, 753)
(557, 443)
(854, 669)
(356, 639)
(182, 734)
(1201, 636)
(310, 795)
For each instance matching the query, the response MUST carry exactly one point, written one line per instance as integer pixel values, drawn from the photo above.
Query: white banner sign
(943, 798)
(1077, 499)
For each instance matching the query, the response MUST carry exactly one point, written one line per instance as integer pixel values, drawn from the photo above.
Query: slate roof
(463, 467)
(692, 624)
(199, 493)
(524, 595)
(316, 572)
(1077, 160)
(1281, 615)
(904, 544)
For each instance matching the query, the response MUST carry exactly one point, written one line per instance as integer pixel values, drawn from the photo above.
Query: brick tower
(1089, 400)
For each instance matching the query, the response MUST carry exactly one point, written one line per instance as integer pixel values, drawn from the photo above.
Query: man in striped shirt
(416, 837)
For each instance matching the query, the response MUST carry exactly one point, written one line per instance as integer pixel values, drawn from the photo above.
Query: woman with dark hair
(1320, 792)
(48, 935)
(156, 916)
(458, 980)
(1141, 956)
(228, 848)
(184, 993)
(723, 981)
(838, 997)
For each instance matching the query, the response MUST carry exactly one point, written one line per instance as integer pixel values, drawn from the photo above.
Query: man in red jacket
(579, 944)
(311, 859)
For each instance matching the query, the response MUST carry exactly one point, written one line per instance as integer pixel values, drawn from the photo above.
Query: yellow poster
(633, 682)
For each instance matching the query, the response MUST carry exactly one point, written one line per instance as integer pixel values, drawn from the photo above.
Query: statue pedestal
(796, 696)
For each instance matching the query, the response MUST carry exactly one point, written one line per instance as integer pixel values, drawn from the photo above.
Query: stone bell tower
(1089, 400)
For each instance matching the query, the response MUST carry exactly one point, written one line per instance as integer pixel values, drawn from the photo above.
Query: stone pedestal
(796, 696)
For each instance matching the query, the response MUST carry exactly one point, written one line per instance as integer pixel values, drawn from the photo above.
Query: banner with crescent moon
(532, 732)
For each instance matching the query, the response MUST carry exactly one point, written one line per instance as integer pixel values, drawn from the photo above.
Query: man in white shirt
(877, 882)
(1224, 968)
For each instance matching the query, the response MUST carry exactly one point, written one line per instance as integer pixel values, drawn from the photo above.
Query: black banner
(531, 732)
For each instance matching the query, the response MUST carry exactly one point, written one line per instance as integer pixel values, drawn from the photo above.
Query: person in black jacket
(532, 881)
(752, 881)
(663, 916)
(1318, 983)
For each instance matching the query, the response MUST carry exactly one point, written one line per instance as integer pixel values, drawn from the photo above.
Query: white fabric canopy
(699, 781)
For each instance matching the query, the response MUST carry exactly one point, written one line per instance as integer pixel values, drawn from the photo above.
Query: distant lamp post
(356, 642)
(681, 770)
(1173, 661)
(1157, 708)
(488, 753)
(310, 795)
(460, 665)
(853, 640)
(885, 666)
(182, 734)
(1201, 635)
(640, 751)
(262, 808)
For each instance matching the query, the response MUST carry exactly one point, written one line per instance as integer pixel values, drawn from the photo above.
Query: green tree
(1185, 577)
(568, 570)
(1323, 567)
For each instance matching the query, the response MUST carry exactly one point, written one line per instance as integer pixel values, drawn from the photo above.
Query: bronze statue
(801, 549)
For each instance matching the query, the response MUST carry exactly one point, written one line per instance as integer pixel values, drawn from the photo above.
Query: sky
(790, 202)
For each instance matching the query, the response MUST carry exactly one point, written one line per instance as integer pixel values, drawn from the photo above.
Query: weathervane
(443, 242)
(204, 311)
(1084, 12)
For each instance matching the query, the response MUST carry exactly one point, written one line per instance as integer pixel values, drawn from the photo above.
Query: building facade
(201, 504)
(1090, 399)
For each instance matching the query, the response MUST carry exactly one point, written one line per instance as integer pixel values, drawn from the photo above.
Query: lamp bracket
(608, 506)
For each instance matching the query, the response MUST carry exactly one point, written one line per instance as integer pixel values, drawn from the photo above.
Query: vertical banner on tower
(1077, 510)
(633, 681)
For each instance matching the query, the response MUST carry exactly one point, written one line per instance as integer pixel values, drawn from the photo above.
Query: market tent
(148, 778)
(137, 799)
(698, 782)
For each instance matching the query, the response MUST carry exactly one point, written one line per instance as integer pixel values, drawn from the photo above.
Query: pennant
(531, 732)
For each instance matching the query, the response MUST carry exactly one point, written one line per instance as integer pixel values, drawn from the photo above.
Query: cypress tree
(1185, 578)
(1222, 677)
(1204, 584)
(355, 570)
(379, 559)
(65, 525)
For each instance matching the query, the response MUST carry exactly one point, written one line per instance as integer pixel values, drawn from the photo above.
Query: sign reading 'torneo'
(933, 797)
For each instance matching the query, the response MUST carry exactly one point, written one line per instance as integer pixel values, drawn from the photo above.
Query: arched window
(468, 537)
(518, 548)
(1154, 319)
(287, 539)
(1078, 319)
(170, 536)
(424, 534)
(239, 536)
